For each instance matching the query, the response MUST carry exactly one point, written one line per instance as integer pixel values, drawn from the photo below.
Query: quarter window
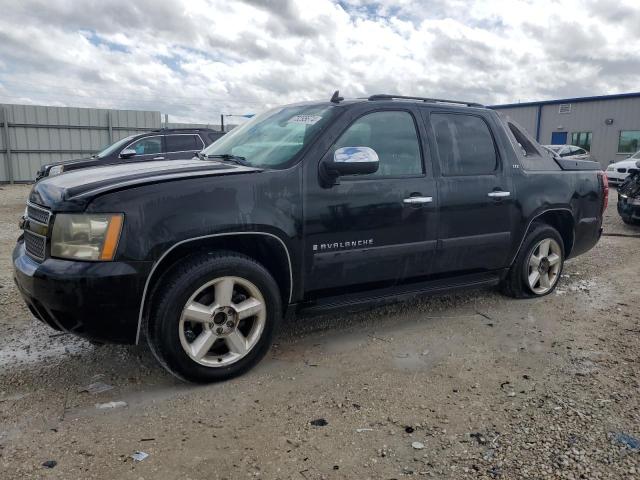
(147, 146)
(465, 144)
(393, 136)
(629, 141)
(582, 140)
(183, 143)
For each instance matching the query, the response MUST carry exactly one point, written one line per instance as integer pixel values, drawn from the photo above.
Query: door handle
(158, 158)
(415, 200)
(499, 194)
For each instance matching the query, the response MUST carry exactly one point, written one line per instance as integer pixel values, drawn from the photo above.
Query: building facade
(608, 126)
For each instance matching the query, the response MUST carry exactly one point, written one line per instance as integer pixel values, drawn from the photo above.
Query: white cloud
(195, 58)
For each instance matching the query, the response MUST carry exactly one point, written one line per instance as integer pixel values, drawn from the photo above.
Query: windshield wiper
(227, 157)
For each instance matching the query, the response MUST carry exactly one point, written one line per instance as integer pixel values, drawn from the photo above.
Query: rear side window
(393, 135)
(525, 145)
(465, 144)
(183, 143)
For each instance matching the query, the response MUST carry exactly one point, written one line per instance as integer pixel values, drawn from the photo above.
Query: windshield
(114, 146)
(273, 138)
(636, 155)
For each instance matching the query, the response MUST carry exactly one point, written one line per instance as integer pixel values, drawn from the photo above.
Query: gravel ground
(473, 385)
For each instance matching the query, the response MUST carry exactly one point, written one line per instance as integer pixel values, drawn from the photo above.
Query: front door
(371, 230)
(147, 148)
(475, 193)
(558, 138)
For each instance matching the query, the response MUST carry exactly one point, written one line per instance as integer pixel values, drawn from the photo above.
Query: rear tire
(537, 268)
(214, 317)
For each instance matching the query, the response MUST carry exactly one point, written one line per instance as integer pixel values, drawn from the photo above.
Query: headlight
(56, 170)
(86, 237)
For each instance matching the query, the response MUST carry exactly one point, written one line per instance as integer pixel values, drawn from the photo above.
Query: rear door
(371, 230)
(182, 145)
(475, 194)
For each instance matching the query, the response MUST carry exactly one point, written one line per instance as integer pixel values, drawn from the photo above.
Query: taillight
(604, 184)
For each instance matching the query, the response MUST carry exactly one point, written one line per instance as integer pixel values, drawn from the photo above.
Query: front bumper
(96, 300)
(628, 211)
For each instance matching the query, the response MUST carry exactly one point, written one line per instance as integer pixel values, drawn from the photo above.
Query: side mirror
(638, 164)
(349, 161)
(127, 153)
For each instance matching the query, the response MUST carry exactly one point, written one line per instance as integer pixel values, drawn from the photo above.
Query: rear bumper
(99, 301)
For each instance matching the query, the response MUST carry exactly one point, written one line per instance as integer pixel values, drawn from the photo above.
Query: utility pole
(222, 122)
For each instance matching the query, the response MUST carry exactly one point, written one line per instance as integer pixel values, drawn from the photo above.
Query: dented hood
(73, 190)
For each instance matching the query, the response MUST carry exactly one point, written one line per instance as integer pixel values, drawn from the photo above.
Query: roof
(597, 98)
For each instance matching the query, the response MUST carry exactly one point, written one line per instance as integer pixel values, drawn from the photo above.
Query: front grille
(35, 234)
(35, 244)
(38, 214)
(622, 170)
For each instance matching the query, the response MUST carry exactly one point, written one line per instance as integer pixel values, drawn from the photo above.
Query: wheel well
(561, 220)
(266, 250)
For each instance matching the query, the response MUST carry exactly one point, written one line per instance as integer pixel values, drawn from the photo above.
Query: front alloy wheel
(544, 266)
(213, 316)
(222, 321)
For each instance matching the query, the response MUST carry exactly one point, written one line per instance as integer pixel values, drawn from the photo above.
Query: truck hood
(73, 190)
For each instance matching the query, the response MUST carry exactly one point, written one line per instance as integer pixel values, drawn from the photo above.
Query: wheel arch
(266, 248)
(559, 218)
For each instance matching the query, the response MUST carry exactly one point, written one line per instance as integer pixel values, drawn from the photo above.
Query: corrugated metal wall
(584, 116)
(38, 134)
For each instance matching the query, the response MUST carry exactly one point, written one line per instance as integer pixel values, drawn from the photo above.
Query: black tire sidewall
(164, 327)
(537, 234)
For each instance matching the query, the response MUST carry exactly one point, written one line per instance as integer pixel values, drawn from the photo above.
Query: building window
(582, 140)
(629, 141)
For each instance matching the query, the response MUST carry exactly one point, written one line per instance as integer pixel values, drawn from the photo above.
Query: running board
(388, 295)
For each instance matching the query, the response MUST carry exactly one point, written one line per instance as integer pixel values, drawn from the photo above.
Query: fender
(159, 261)
(529, 225)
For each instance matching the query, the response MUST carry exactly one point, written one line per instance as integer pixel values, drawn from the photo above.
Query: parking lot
(472, 385)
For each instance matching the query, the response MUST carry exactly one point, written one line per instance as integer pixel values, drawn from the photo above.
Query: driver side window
(393, 136)
(147, 146)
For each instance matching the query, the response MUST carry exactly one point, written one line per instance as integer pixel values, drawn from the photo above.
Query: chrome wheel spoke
(224, 291)
(202, 344)
(554, 259)
(249, 308)
(535, 261)
(544, 281)
(534, 277)
(196, 312)
(544, 248)
(236, 342)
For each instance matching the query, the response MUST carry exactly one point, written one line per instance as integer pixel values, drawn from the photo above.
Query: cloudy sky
(195, 59)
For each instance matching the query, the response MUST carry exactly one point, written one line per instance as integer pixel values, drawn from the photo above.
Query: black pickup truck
(307, 207)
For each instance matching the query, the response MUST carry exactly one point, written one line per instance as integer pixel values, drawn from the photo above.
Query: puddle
(34, 345)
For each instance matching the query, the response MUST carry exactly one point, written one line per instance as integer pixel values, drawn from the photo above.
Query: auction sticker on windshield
(305, 119)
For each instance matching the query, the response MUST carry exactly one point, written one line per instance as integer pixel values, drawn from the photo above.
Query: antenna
(336, 98)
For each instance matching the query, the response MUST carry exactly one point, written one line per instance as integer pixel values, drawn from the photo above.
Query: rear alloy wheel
(222, 321)
(537, 267)
(213, 316)
(545, 262)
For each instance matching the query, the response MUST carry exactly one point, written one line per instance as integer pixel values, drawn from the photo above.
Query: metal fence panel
(42, 134)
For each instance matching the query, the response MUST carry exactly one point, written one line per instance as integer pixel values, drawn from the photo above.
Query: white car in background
(570, 151)
(618, 171)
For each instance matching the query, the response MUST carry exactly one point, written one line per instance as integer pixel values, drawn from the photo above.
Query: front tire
(538, 266)
(214, 317)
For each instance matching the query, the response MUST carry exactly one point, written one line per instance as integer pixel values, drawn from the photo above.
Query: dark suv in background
(164, 144)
